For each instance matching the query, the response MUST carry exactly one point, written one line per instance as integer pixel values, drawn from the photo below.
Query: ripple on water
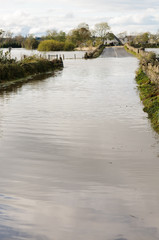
(78, 157)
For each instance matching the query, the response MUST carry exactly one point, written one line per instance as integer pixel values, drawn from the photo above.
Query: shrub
(69, 46)
(151, 57)
(51, 45)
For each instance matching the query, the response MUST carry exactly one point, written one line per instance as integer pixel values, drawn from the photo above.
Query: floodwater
(19, 53)
(118, 52)
(79, 159)
(155, 50)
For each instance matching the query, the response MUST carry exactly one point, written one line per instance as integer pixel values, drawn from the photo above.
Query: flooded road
(79, 159)
(117, 52)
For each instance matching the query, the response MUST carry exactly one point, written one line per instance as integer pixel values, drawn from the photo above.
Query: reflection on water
(78, 157)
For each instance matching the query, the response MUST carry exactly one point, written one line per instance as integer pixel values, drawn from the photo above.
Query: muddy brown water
(78, 157)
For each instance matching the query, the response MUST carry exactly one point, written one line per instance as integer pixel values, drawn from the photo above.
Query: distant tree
(8, 38)
(30, 42)
(1, 36)
(55, 35)
(80, 35)
(19, 39)
(61, 37)
(154, 38)
(142, 38)
(51, 34)
(101, 30)
(122, 34)
(83, 25)
(9, 34)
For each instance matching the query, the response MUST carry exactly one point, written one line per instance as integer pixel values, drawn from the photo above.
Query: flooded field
(79, 159)
(20, 52)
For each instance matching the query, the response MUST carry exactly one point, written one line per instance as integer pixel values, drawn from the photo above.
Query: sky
(37, 16)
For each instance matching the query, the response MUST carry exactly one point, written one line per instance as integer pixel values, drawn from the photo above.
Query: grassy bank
(96, 53)
(12, 71)
(131, 52)
(149, 95)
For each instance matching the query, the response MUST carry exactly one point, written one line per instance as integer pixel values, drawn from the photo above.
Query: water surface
(19, 53)
(79, 159)
(155, 50)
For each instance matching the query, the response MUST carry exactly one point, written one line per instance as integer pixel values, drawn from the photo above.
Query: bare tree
(101, 30)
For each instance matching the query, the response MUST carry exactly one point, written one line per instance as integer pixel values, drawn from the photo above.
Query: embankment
(12, 73)
(147, 78)
(95, 53)
(148, 62)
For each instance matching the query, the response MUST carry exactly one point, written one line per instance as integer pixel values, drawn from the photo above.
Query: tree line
(146, 40)
(81, 36)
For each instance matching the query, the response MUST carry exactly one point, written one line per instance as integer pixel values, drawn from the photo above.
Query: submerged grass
(149, 95)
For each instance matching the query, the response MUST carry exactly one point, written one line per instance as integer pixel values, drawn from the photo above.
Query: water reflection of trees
(16, 86)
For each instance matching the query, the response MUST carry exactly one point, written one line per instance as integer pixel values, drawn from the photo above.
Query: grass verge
(96, 53)
(131, 52)
(149, 95)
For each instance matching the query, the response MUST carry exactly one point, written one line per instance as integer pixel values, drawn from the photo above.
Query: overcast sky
(38, 16)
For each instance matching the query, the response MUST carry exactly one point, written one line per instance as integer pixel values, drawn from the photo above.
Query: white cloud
(69, 15)
(147, 20)
(37, 16)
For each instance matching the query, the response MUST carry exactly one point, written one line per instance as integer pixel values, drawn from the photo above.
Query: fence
(58, 56)
(51, 57)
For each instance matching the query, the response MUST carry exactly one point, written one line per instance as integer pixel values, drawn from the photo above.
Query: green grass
(132, 52)
(149, 95)
(29, 66)
(14, 71)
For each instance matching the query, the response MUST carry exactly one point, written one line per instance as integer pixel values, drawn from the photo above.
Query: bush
(151, 57)
(69, 46)
(51, 45)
